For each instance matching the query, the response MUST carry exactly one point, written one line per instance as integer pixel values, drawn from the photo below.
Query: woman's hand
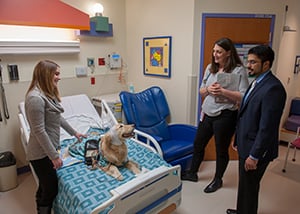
(79, 136)
(215, 89)
(57, 163)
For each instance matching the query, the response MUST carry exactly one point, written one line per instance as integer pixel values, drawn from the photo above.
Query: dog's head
(120, 132)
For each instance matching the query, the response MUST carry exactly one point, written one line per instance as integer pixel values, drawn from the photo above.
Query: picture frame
(297, 65)
(157, 56)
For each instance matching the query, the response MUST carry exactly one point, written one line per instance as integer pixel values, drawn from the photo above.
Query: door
(241, 29)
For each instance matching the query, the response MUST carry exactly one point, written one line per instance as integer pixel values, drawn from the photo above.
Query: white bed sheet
(74, 106)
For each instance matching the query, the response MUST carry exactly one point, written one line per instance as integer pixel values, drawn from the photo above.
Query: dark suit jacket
(259, 118)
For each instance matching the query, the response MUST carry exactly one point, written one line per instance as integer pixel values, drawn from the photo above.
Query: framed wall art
(297, 65)
(157, 56)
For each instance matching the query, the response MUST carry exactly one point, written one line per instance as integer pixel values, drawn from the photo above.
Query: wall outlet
(81, 71)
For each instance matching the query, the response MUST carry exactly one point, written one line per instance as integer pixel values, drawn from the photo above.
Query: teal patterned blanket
(81, 189)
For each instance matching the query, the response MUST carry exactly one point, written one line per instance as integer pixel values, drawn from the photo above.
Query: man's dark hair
(264, 53)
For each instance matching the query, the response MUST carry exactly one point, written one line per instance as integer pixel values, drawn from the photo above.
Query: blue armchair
(149, 111)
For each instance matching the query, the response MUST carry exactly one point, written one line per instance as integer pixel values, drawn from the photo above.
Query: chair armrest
(182, 132)
(157, 138)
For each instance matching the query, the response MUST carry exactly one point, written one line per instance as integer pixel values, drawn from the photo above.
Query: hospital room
(142, 66)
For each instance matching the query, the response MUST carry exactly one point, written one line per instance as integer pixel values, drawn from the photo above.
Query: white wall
(162, 18)
(106, 80)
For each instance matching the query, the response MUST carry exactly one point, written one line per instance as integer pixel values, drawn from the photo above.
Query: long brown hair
(233, 60)
(42, 78)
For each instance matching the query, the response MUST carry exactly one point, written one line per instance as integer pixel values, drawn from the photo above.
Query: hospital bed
(81, 190)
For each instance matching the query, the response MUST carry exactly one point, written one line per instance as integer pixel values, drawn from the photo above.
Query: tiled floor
(280, 192)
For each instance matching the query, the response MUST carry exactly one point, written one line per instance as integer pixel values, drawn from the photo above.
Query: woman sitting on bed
(43, 112)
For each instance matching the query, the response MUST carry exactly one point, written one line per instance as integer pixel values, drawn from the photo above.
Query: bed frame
(155, 191)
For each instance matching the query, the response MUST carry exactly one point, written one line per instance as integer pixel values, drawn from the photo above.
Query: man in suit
(256, 138)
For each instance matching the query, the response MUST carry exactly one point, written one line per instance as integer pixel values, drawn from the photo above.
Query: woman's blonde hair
(42, 78)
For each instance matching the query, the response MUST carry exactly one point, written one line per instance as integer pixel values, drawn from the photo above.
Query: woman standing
(223, 86)
(43, 112)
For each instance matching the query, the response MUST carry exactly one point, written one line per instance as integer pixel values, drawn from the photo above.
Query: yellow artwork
(157, 56)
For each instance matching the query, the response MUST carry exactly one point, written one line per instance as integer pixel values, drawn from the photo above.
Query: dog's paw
(144, 170)
(134, 167)
(120, 178)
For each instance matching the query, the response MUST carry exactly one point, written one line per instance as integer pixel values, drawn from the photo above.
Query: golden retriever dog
(113, 150)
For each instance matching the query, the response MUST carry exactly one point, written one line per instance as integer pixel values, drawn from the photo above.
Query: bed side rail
(108, 114)
(24, 130)
(149, 141)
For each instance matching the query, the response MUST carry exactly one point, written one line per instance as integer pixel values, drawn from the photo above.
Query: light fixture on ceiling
(100, 20)
(287, 28)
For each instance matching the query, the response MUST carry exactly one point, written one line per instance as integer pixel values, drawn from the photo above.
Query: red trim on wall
(46, 13)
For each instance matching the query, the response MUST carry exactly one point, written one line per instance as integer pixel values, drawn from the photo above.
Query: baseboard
(286, 135)
(23, 169)
(284, 143)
